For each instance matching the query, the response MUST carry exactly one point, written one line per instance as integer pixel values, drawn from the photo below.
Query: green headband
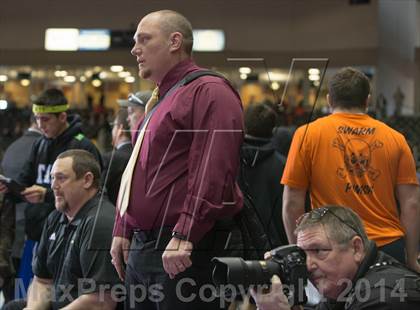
(49, 109)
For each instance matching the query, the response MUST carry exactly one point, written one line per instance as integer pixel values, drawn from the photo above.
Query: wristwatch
(179, 236)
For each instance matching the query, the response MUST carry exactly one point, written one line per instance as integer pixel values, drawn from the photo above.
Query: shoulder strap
(195, 75)
(186, 80)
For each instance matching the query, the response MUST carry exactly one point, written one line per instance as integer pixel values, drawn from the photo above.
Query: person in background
(116, 160)
(60, 132)
(261, 170)
(135, 104)
(13, 161)
(351, 159)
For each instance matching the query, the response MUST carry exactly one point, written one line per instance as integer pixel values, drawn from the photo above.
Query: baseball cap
(138, 99)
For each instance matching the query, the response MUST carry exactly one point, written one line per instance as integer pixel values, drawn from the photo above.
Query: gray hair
(341, 223)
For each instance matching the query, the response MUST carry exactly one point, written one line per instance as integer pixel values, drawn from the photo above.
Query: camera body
(288, 262)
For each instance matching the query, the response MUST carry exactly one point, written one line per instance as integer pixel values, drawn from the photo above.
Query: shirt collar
(91, 203)
(120, 145)
(175, 74)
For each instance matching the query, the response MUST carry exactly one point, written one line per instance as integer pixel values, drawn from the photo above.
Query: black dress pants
(150, 288)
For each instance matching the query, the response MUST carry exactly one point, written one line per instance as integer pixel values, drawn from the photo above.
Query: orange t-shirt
(355, 161)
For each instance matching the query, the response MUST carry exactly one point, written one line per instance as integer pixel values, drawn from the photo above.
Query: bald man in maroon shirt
(184, 180)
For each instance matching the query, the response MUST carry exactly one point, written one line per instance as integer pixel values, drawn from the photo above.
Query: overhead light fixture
(208, 40)
(245, 70)
(275, 86)
(116, 68)
(73, 39)
(243, 76)
(69, 79)
(94, 39)
(3, 78)
(60, 73)
(82, 79)
(24, 78)
(129, 79)
(96, 83)
(61, 39)
(313, 71)
(103, 75)
(25, 82)
(313, 77)
(3, 104)
(124, 74)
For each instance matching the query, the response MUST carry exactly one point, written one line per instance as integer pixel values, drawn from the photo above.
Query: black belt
(153, 234)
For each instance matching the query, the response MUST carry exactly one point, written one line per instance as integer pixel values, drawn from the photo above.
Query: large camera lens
(288, 262)
(236, 271)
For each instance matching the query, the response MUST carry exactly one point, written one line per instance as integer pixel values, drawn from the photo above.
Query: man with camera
(346, 267)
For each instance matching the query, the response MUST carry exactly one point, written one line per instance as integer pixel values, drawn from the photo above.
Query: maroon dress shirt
(185, 175)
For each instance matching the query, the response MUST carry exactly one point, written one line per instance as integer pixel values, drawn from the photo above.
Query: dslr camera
(288, 262)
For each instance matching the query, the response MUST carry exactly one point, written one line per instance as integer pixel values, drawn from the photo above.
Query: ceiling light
(70, 79)
(313, 77)
(25, 82)
(208, 40)
(60, 73)
(275, 86)
(103, 75)
(61, 39)
(124, 74)
(96, 83)
(3, 104)
(129, 79)
(243, 76)
(116, 68)
(3, 78)
(245, 70)
(313, 71)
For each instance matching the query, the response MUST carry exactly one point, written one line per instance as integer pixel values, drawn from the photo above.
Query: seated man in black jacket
(73, 266)
(345, 267)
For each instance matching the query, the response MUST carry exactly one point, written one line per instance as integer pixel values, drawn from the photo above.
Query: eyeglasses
(317, 215)
(133, 97)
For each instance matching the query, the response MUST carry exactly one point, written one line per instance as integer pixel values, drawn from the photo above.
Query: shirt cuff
(192, 228)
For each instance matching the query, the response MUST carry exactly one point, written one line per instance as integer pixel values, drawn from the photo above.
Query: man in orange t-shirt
(351, 159)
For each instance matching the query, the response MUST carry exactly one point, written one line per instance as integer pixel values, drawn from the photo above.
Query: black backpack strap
(195, 75)
(186, 80)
